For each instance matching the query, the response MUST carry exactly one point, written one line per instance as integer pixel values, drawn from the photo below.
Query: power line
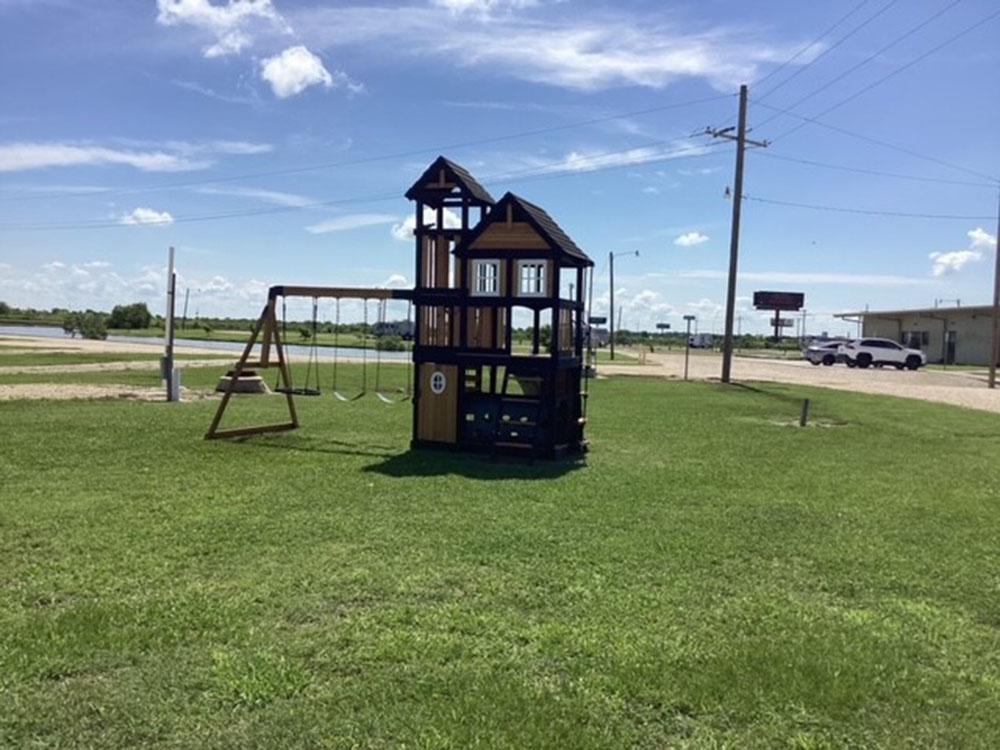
(879, 142)
(897, 71)
(809, 46)
(875, 172)
(813, 43)
(923, 24)
(866, 211)
(532, 174)
(382, 157)
(831, 48)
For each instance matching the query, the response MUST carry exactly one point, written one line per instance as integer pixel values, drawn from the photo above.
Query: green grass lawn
(711, 577)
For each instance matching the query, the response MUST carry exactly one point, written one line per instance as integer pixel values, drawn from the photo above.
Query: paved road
(959, 388)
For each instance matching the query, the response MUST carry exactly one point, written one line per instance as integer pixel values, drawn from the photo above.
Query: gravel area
(959, 388)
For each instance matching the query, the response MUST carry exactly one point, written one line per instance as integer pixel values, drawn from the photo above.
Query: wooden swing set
(479, 264)
(273, 334)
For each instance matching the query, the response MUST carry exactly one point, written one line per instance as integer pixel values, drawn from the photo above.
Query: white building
(949, 335)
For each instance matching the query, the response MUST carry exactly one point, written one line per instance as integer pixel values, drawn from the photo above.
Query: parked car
(867, 352)
(823, 353)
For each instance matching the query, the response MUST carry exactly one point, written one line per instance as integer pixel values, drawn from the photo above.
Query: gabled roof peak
(441, 178)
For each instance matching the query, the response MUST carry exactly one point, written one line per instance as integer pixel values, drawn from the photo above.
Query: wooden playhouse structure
(480, 263)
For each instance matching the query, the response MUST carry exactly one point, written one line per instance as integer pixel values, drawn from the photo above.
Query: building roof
(547, 227)
(456, 172)
(971, 309)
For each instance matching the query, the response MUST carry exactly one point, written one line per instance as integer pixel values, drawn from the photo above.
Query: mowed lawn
(710, 577)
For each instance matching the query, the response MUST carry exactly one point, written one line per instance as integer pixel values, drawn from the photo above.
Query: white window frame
(540, 280)
(477, 265)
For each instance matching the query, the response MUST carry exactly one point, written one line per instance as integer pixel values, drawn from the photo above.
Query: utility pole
(734, 239)
(611, 281)
(996, 307)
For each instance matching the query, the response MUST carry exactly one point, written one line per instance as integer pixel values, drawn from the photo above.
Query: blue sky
(271, 141)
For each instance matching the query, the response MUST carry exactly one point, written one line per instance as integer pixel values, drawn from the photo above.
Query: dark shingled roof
(462, 176)
(548, 227)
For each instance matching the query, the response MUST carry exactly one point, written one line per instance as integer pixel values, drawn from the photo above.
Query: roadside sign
(597, 320)
(778, 300)
(663, 326)
(782, 322)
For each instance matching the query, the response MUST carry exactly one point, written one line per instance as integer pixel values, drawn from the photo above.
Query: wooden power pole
(995, 349)
(734, 238)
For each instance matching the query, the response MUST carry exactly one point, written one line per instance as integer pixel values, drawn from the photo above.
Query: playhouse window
(486, 277)
(531, 279)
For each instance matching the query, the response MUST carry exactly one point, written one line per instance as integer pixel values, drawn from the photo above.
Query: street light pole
(611, 317)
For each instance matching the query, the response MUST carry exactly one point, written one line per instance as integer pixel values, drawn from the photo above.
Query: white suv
(866, 352)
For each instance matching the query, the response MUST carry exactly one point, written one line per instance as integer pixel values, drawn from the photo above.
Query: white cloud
(296, 69)
(21, 156)
(482, 6)
(146, 217)
(589, 161)
(582, 51)
(702, 171)
(274, 197)
(980, 239)
(353, 221)
(403, 230)
(170, 156)
(690, 239)
(58, 284)
(228, 22)
(946, 263)
(396, 281)
(236, 147)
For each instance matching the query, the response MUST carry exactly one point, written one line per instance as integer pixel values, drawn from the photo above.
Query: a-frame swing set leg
(267, 322)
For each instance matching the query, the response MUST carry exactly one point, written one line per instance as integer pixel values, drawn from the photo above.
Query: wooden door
(437, 411)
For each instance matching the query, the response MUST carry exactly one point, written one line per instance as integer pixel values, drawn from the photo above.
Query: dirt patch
(72, 392)
(958, 388)
(106, 366)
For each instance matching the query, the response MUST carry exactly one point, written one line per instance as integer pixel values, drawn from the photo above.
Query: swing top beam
(338, 292)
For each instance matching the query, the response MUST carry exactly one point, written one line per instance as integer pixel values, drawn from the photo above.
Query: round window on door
(438, 382)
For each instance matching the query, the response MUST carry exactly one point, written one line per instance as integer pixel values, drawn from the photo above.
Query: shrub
(71, 324)
(92, 327)
(390, 344)
(130, 316)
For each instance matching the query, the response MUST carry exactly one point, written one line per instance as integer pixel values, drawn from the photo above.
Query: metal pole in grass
(804, 416)
(687, 347)
(168, 328)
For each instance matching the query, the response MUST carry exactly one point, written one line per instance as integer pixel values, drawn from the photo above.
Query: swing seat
(386, 400)
(341, 397)
(299, 391)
